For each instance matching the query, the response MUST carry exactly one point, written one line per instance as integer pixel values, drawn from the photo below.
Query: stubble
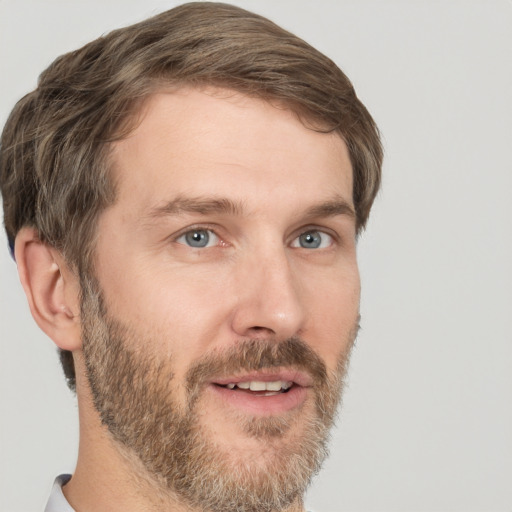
(133, 394)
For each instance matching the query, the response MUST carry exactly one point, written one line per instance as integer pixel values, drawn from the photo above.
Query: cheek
(181, 310)
(334, 314)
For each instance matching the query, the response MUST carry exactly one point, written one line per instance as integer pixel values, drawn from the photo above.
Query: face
(225, 299)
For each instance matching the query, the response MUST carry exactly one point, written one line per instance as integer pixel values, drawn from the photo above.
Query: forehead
(192, 141)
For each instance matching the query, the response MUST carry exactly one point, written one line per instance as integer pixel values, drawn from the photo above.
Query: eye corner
(198, 238)
(313, 238)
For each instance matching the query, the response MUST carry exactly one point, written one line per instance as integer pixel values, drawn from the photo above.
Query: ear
(52, 289)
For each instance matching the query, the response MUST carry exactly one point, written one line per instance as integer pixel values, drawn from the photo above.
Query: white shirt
(57, 501)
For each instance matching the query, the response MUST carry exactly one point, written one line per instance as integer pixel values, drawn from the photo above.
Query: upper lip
(287, 375)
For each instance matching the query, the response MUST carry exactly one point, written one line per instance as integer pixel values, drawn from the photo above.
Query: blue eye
(198, 238)
(313, 239)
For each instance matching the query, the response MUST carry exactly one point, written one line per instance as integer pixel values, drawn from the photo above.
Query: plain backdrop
(427, 418)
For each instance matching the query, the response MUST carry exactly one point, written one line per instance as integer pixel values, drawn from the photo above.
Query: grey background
(427, 417)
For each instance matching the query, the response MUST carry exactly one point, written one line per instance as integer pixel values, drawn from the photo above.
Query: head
(65, 168)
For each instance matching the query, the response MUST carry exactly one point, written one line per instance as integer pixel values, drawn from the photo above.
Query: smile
(263, 394)
(261, 388)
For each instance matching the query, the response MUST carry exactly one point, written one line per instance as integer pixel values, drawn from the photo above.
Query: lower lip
(261, 405)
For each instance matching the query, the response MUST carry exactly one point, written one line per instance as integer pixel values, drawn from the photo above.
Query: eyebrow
(332, 208)
(200, 205)
(210, 205)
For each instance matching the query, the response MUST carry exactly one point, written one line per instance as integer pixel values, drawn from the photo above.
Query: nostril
(257, 329)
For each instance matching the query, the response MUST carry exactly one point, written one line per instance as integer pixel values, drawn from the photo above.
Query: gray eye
(197, 238)
(310, 240)
(313, 239)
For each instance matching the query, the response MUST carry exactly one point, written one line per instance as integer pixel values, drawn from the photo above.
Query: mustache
(256, 354)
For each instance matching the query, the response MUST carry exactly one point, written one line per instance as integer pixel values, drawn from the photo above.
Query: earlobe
(51, 288)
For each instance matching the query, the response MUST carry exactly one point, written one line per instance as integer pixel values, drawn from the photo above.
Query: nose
(269, 299)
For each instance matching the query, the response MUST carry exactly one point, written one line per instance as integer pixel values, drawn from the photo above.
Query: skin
(253, 280)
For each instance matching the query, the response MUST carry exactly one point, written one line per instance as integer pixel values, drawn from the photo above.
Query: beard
(132, 391)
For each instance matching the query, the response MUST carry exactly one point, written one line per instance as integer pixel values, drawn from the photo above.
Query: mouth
(260, 388)
(263, 394)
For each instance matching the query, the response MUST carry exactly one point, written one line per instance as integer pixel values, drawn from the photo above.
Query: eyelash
(197, 230)
(310, 230)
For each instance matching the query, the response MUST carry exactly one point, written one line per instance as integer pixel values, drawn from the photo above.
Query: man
(183, 198)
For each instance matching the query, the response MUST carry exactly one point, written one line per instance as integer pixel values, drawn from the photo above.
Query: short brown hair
(54, 168)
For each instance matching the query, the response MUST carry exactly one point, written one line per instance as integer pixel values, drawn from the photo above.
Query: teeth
(257, 385)
(273, 386)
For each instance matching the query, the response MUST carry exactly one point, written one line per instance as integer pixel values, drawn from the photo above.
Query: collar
(57, 501)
